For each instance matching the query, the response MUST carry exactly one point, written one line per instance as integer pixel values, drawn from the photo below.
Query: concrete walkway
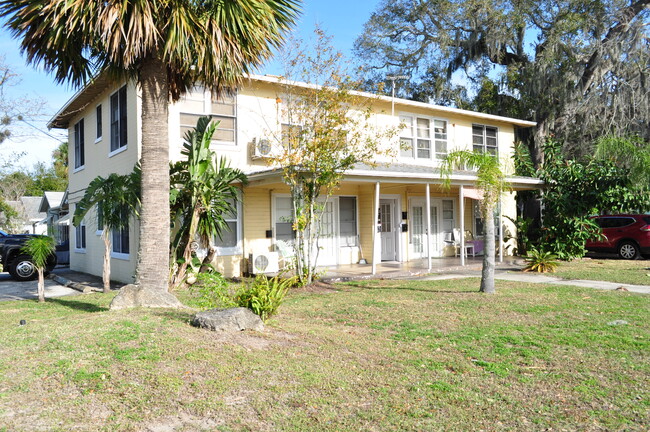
(520, 276)
(14, 290)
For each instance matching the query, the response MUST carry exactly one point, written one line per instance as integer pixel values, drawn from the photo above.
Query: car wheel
(628, 250)
(23, 269)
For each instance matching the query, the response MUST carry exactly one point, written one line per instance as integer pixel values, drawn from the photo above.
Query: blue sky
(343, 20)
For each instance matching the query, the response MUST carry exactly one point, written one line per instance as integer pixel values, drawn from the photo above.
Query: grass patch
(375, 355)
(635, 272)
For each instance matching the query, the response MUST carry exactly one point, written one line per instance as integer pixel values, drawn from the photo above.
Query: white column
(427, 229)
(500, 232)
(461, 211)
(375, 228)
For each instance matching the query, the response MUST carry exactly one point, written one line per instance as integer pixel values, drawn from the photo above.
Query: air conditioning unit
(263, 148)
(263, 262)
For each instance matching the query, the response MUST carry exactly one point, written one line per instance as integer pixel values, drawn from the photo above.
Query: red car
(627, 235)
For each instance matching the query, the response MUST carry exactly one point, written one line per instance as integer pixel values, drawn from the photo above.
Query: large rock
(134, 296)
(233, 319)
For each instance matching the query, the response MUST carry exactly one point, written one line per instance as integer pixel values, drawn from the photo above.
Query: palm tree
(491, 180)
(40, 248)
(203, 191)
(115, 198)
(166, 46)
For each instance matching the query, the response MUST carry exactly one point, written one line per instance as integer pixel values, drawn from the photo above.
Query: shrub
(541, 262)
(264, 295)
(213, 291)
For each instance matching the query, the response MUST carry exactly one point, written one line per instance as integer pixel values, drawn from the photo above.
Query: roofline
(371, 176)
(57, 121)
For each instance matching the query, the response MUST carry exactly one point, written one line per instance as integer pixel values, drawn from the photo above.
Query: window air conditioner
(263, 262)
(263, 148)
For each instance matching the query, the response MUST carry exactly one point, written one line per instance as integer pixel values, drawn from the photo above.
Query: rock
(233, 319)
(135, 296)
(617, 322)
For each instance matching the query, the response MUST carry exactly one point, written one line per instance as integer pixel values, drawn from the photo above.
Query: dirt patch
(318, 287)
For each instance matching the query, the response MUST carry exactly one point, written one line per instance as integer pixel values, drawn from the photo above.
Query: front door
(418, 232)
(387, 229)
(327, 242)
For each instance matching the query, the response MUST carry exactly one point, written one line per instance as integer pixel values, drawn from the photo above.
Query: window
(348, 221)
(283, 217)
(230, 236)
(447, 218)
(80, 237)
(79, 146)
(100, 219)
(428, 143)
(98, 117)
(121, 238)
(484, 139)
(200, 102)
(291, 135)
(118, 120)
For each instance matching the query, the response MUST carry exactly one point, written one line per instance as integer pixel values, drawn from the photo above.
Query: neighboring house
(54, 205)
(30, 219)
(103, 121)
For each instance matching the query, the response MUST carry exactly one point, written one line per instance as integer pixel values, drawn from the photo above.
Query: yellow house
(378, 214)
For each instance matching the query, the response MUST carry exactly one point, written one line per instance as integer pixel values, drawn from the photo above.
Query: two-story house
(378, 213)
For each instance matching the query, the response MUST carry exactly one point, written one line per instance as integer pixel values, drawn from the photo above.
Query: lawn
(635, 272)
(372, 356)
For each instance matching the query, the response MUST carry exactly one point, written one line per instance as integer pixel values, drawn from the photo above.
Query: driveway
(12, 290)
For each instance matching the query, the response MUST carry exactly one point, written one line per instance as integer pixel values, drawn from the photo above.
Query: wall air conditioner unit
(263, 148)
(263, 262)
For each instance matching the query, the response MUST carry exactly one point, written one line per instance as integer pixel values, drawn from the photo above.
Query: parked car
(15, 261)
(627, 235)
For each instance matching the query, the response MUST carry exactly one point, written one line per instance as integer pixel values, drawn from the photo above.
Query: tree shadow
(183, 315)
(78, 305)
(403, 288)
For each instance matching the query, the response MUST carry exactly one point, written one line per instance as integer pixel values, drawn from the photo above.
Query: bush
(541, 262)
(264, 295)
(213, 291)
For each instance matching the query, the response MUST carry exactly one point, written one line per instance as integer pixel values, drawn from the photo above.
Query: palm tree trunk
(487, 274)
(41, 285)
(153, 255)
(106, 274)
(152, 273)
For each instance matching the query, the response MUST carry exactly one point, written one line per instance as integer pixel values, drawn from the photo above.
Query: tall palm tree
(166, 46)
(491, 180)
(115, 199)
(203, 192)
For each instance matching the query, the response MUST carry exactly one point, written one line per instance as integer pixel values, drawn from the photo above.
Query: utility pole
(393, 78)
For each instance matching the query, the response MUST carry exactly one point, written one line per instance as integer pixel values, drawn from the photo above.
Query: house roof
(28, 208)
(51, 199)
(406, 173)
(80, 100)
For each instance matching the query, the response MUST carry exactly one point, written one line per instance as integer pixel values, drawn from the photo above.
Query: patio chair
(287, 253)
(469, 245)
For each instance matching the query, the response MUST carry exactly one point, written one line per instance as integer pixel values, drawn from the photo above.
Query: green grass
(375, 355)
(635, 272)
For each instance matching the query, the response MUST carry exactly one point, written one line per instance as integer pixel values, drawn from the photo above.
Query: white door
(327, 243)
(387, 229)
(418, 232)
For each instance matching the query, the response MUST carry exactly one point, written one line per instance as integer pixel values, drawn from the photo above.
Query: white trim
(118, 151)
(98, 140)
(79, 168)
(121, 256)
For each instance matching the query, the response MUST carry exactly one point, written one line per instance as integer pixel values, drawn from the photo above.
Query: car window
(623, 222)
(646, 219)
(4, 234)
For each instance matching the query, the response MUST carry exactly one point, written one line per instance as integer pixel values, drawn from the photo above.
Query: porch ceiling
(404, 174)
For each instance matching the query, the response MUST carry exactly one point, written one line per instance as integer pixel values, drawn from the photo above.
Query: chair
(287, 253)
(469, 246)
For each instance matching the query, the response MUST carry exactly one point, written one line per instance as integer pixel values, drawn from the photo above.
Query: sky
(37, 143)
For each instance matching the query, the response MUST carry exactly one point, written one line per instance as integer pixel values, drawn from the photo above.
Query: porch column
(500, 232)
(428, 227)
(461, 210)
(375, 230)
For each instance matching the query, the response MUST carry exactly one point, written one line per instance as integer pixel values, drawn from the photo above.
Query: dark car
(628, 235)
(15, 261)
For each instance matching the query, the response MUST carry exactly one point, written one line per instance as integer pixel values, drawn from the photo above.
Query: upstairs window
(200, 102)
(98, 124)
(79, 145)
(423, 138)
(484, 139)
(118, 120)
